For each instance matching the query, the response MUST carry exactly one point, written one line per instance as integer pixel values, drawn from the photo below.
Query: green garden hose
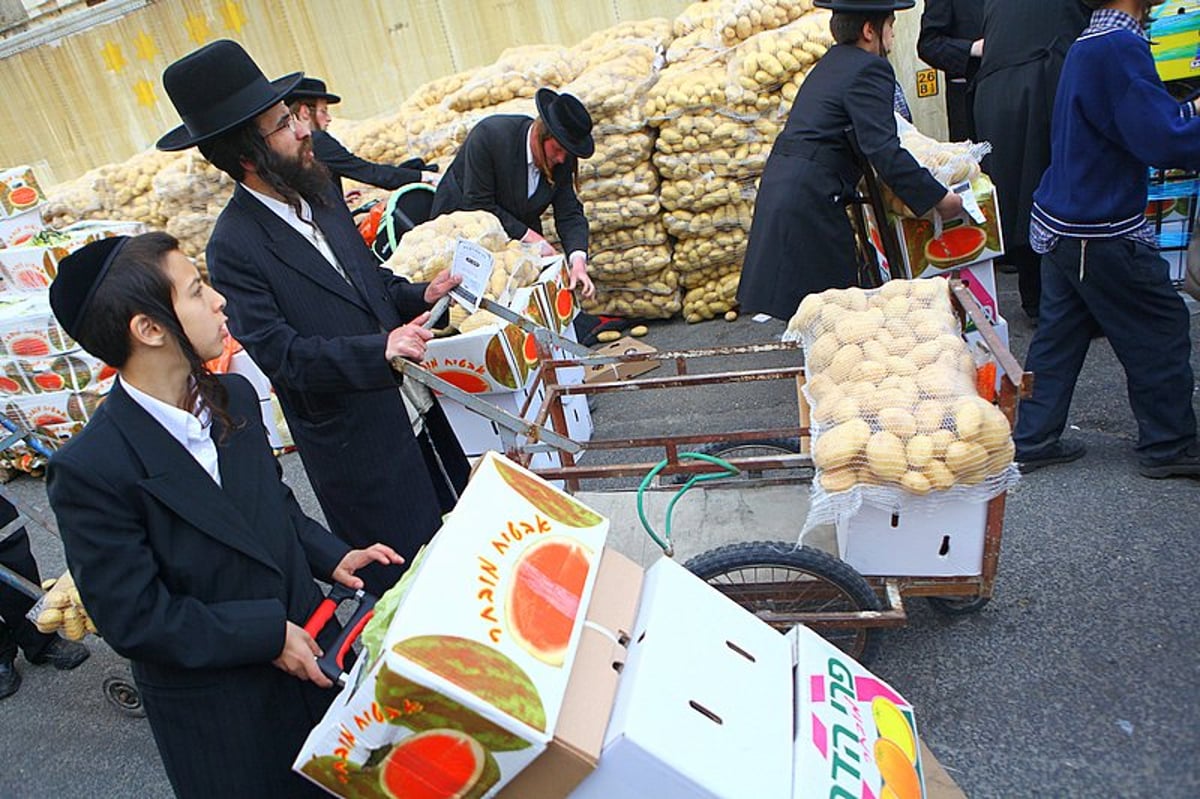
(665, 541)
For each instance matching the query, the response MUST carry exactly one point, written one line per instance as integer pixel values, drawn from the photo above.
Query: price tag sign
(474, 263)
(928, 84)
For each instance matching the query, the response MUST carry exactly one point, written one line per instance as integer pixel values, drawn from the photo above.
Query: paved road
(1077, 680)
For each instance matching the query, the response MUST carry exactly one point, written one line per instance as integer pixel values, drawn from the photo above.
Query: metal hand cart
(782, 582)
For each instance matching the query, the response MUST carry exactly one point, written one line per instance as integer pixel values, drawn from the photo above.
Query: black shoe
(62, 654)
(1058, 452)
(10, 679)
(1185, 464)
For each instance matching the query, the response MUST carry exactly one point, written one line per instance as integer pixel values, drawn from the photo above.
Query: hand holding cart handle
(332, 663)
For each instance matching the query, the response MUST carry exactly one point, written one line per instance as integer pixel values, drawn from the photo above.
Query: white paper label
(474, 263)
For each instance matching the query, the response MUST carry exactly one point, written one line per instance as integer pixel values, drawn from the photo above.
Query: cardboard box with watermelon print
(19, 191)
(28, 328)
(476, 660)
(501, 357)
(962, 243)
(60, 413)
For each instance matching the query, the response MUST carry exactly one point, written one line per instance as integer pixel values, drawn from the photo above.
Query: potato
(821, 353)
(844, 363)
(885, 456)
(605, 336)
(898, 421)
(841, 479)
(939, 475)
(916, 483)
(869, 371)
(942, 439)
(968, 418)
(965, 458)
(49, 620)
(930, 416)
(840, 445)
(918, 451)
(994, 431)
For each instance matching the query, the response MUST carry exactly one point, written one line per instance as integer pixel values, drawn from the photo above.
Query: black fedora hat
(567, 120)
(78, 277)
(215, 89)
(311, 89)
(866, 6)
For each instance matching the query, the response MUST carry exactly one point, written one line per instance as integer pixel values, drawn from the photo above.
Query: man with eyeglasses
(310, 102)
(316, 312)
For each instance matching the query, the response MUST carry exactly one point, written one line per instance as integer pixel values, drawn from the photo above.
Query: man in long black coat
(516, 167)
(320, 316)
(951, 40)
(801, 241)
(1026, 42)
(310, 102)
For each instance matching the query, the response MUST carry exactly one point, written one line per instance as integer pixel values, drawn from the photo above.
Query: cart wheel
(958, 606)
(124, 695)
(776, 580)
(763, 447)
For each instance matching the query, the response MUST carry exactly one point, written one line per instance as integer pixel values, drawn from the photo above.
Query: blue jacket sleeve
(1147, 118)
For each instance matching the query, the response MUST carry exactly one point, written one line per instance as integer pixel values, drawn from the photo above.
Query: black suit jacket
(801, 240)
(948, 29)
(193, 582)
(345, 164)
(321, 341)
(489, 173)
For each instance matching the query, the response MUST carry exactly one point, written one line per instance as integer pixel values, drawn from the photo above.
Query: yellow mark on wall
(197, 28)
(927, 83)
(235, 20)
(145, 47)
(144, 91)
(113, 58)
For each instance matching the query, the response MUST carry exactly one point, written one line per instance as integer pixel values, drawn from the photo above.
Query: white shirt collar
(194, 434)
(533, 173)
(282, 209)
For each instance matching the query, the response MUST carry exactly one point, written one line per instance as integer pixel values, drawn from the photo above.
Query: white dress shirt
(195, 434)
(535, 175)
(302, 223)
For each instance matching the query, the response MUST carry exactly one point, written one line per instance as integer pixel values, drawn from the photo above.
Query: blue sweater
(1112, 120)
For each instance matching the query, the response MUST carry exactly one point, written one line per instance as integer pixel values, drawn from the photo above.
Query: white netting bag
(896, 420)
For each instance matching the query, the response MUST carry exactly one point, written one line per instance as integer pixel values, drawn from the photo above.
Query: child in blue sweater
(1101, 272)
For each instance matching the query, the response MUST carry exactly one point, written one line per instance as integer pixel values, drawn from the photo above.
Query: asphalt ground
(1078, 679)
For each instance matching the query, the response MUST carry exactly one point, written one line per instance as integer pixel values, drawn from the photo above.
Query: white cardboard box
(702, 706)
(943, 539)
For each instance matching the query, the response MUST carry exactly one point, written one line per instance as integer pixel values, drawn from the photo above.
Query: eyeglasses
(289, 123)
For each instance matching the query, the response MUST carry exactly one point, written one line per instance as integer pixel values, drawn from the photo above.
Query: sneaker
(1185, 464)
(61, 653)
(1058, 452)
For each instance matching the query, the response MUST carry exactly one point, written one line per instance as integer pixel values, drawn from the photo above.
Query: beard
(297, 176)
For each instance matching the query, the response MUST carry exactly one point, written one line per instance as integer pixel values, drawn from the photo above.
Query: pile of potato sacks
(891, 386)
(685, 113)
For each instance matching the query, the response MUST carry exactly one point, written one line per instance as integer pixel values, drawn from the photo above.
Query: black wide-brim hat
(312, 89)
(567, 120)
(865, 6)
(217, 88)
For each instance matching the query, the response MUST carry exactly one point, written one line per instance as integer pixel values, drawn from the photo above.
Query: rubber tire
(730, 558)
(963, 606)
(785, 446)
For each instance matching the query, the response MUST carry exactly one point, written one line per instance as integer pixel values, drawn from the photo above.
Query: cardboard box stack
(525, 661)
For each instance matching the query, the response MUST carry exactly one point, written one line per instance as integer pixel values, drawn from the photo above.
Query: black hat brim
(583, 149)
(300, 94)
(181, 139)
(866, 6)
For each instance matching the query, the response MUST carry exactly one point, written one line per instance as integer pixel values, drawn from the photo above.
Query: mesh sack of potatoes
(61, 610)
(651, 232)
(709, 271)
(740, 20)
(629, 265)
(722, 247)
(652, 297)
(641, 179)
(715, 297)
(429, 247)
(518, 72)
(695, 30)
(688, 224)
(383, 139)
(894, 409)
(190, 185)
(73, 201)
(706, 190)
(949, 162)
(436, 91)
(616, 155)
(127, 189)
(774, 63)
(621, 39)
(698, 86)
(623, 212)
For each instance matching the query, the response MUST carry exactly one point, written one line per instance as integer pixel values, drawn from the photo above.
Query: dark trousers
(1122, 289)
(15, 629)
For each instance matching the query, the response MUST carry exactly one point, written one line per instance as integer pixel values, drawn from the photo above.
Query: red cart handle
(332, 663)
